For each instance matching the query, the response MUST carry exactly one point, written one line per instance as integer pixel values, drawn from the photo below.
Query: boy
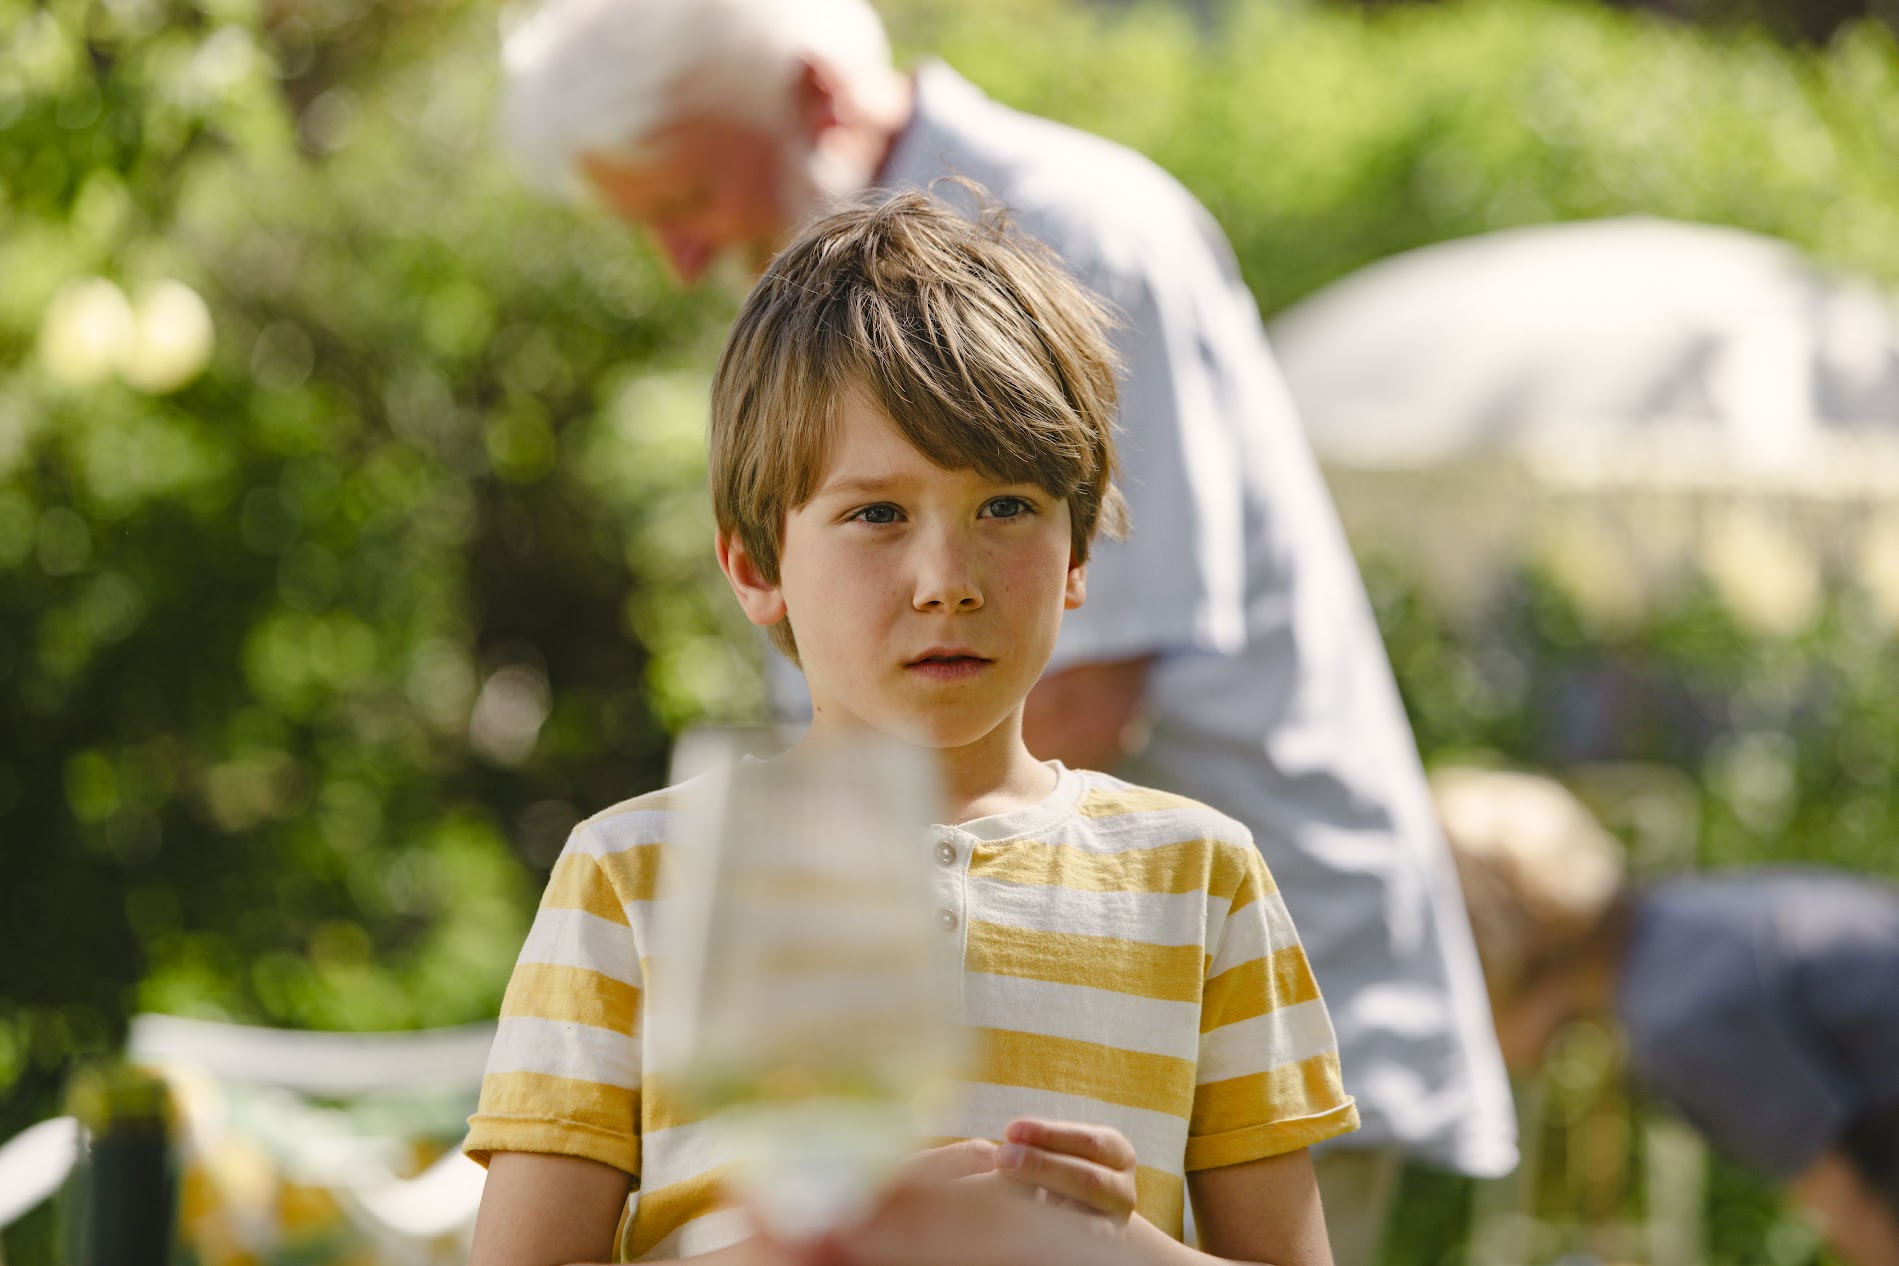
(911, 453)
(1761, 1003)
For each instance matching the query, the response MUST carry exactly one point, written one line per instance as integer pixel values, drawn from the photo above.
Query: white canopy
(1568, 334)
(1625, 400)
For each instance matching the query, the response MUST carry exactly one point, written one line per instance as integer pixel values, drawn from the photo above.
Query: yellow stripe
(1190, 866)
(1310, 1087)
(1168, 973)
(580, 883)
(635, 871)
(1160, 1197)
(572, 995)
(1066, 1066)
(1110, 802)
(1270, 1138)
(667, 1105)
(522, 1101)
(664, 1210)
(1250, 883)
(1257, 986)
(488, 1135)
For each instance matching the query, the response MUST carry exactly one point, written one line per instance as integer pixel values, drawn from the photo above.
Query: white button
(947, 918)
(946, 853)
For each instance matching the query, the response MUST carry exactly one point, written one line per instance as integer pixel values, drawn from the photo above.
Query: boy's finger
(949, 1162)
(1096, 1187)
(1099, 1143)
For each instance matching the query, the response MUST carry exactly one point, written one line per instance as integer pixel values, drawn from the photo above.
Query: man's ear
(762, 601)
(816, 103)
(1077, 589)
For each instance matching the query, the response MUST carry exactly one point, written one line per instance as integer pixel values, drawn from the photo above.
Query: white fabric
(1271, 698)
(1507, 341)
(314, 1063)
(34, 1164)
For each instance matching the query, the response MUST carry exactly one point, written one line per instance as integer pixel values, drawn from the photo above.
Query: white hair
(604, 75)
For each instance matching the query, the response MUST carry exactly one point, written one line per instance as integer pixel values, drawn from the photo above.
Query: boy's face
(925, 601)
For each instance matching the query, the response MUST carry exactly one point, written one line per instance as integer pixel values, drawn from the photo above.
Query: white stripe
(1138, 832)
(1082, 1014)
(681, 1152)
(559, 1048)
(574, 938)
(1217, 910)
(1255, 930)
(1156, 918)
(983, 1111)
(1286, 1036)
(615, 832)
(1173, 823)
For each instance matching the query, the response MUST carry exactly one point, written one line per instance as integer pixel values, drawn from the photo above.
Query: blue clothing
(1765, 1005)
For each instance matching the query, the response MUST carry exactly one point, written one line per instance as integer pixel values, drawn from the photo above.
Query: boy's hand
(957, 1223)
(1090, 1167)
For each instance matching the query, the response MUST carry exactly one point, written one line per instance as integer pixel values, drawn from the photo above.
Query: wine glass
(806, 1000)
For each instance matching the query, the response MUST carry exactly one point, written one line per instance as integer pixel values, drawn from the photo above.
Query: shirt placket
(950, 851)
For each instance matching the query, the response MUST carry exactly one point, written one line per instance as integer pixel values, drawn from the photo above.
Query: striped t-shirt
(1126, 959)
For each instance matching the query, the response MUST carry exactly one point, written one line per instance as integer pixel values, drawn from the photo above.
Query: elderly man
(1226, 650)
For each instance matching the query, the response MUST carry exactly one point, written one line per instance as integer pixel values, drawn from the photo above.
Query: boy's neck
(995, 774)
(982, 783)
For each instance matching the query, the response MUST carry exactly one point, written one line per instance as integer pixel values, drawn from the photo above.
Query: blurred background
(354, 542)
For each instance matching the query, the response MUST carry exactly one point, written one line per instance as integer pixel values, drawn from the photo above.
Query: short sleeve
(1267, 1080)
(563, 1076)
(1177, 583)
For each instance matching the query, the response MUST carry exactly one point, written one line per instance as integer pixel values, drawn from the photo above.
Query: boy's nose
(946, 582)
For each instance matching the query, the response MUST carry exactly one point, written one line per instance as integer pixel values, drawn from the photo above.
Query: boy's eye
(876, 514)
(1007, 507)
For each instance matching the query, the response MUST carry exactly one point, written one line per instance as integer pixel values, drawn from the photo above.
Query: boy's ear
(1077, 590)
(762, 601)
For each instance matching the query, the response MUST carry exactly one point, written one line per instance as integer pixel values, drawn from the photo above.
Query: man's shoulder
(1110, 211)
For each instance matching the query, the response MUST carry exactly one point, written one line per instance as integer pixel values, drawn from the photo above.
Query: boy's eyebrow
(872, 485)
(861, 485)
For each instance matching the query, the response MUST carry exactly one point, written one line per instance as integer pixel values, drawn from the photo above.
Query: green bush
(1325, 138)
(446, 441)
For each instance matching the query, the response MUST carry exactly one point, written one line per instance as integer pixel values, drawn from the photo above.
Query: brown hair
(1544, 883)
(975, 343)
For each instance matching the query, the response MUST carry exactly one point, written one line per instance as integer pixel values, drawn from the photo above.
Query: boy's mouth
(948, 665)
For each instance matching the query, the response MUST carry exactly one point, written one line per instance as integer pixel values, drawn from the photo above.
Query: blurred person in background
(1227, 651)
(1762, 1004)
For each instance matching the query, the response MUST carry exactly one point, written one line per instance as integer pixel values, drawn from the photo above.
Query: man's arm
(1088, 716)
(1857, 1224)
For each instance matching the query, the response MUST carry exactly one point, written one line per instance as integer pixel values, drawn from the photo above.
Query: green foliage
(1324, 138)
(254, 760)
